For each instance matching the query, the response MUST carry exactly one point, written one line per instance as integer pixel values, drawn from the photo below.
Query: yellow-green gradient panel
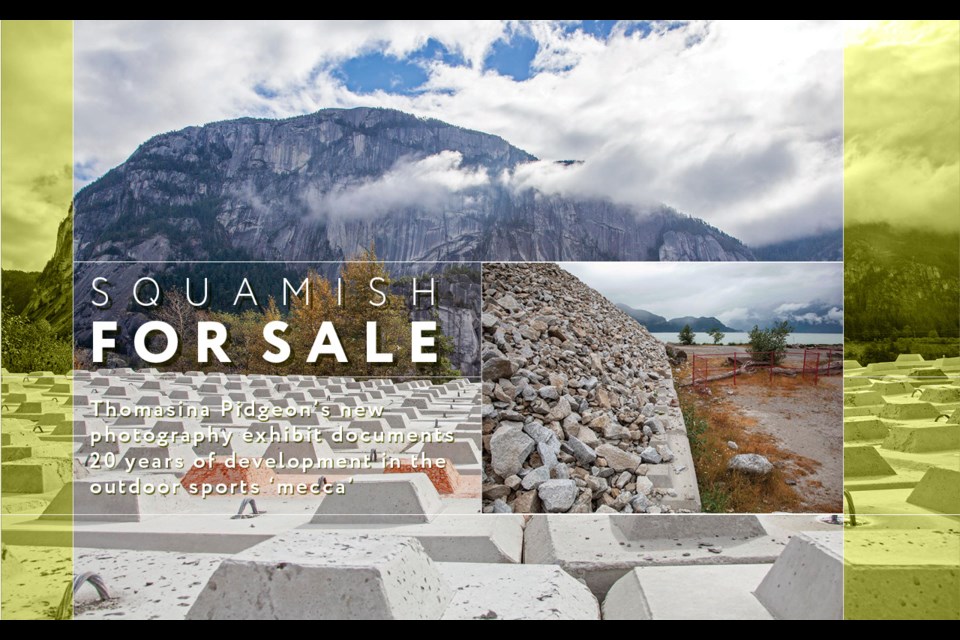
(36, 159)
(902, 320)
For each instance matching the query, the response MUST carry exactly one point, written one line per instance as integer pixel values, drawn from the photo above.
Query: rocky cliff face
(580, 414)
(52, 298)
(260, 189)
(458, 313)
(900, 281)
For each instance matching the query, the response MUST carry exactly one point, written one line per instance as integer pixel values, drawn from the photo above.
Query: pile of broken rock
(578, 401)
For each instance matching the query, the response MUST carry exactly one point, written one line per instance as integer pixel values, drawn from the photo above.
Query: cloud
(739, 294)
(37, 141)
(813, 312)
(736, 123)
(734, 317)
(789, 307)
(902, 135)
(430, 183)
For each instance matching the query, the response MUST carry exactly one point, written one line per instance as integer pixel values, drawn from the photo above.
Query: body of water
(742, 338)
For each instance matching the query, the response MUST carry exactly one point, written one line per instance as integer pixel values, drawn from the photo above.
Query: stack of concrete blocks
(46, 417)
(409, 505)
(391, 546)
(805, 582)
(325, 576)
(902, 434)
(694, 567)
(37, 410)
(583, 567)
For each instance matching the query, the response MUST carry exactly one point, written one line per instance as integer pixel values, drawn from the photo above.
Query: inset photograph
(662, 388)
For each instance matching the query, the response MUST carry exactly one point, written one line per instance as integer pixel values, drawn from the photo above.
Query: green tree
(686, 335)
(32, 345)
(769, 345)
(717, 335)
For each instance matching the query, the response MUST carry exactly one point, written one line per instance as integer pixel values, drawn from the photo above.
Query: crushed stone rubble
(578, 399)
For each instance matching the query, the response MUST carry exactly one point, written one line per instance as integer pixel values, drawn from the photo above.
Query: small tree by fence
(769, 345)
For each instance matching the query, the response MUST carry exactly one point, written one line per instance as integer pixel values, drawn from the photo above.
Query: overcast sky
(736, 123)
(903, 125)
(738, 294)
(36, 140)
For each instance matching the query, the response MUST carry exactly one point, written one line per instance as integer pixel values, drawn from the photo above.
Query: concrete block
(186, 395)
(909, 358)
(938, 490)
(940, 394)
(216, 447)
(806, 581)
(396, 420)
(76, 400)
(709, 592)
(376, 499)
(417, 403)
(35, 475)
(168, 426)
(516, 592)
(863, 461)
(862, 398)
(923, 438)
(909, 411)
(100, 447)
(20, 439)
(892, 387)
(324, 576)
(460, 453)
(11, 399)
(9, 453)
(947, 363)
(80, 427)
(600, 549)
(687, 526)
(864, 428)
(927, 375)
(881, 368)
(122, 498)
(129, 421)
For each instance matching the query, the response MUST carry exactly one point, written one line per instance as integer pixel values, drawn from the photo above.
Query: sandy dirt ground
(806, 420)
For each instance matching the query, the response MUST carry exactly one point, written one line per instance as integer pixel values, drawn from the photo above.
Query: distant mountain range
(814, 317)
(659, 324)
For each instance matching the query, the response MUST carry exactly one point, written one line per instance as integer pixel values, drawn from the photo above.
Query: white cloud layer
(430, 183)
(736, 123)
(738, 294)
